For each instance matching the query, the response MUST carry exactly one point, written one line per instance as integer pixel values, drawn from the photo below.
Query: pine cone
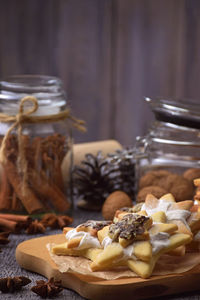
(93, 182)
(124, 175)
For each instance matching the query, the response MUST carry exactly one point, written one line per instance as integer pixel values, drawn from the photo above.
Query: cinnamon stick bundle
(29, 200)
(39, 186)
(49, 191)
(16, 204)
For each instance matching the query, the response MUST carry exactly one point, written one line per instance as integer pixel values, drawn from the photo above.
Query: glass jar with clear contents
(170, 148)
(35, 136)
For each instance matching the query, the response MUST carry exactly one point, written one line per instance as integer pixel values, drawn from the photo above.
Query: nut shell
(115, 201)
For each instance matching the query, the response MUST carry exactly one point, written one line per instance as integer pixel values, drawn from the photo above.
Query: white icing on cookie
(87, 241)
(171, 214)
(159, 241)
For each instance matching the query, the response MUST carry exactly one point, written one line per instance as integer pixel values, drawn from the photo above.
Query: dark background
(109, 54)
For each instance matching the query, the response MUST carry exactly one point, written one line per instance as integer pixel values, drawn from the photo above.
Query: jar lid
(180, 112)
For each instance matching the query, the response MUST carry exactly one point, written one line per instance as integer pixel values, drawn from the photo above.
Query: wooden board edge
(97, 289)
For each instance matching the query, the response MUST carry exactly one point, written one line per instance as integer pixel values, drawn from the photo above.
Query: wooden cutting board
(33, 255)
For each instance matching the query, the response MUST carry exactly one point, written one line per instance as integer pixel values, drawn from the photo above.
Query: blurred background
(109, 55)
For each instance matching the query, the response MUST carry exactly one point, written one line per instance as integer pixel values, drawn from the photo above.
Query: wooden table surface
(9, 266)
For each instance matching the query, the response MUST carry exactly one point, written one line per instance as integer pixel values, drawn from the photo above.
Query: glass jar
(172, 143)
(36, 137)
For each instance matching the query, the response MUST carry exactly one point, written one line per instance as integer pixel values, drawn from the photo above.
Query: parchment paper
(165, 265)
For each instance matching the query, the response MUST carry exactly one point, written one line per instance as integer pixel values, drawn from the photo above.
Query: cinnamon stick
(35, 160)
(46, 158)
(58, 177)
(16, 205)
(4, 237)
(39, 186)
(5, 191)
(45, 177)
(28, 198)
(9, 225)
(52, 168)
(16, 218)
(49, 191)
(59, 151)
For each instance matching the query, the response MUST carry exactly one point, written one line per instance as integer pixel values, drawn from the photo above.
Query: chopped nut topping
(127, 209)
(129, 227)
(97, 225)
(133, 209)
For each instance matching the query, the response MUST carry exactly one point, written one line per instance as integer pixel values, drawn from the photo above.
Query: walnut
(115, 201)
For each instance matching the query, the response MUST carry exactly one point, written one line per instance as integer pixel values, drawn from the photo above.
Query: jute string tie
(25, 116)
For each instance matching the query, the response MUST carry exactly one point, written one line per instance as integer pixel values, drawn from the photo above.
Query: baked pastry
(194, 223)
(153, 178)
(167, 210)
(176, 212)
(157, 191)
(179, 186)
(134, 240)
(191, 174)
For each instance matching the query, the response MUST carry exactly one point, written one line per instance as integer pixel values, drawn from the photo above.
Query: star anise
(35, 227)
(55, 221)
(48, 288)
(12, 284)
(4, 237)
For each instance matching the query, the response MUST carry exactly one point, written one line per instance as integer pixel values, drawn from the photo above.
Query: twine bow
(25, 116)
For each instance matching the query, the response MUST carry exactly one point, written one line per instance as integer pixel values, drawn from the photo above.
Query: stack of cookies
(137, 237)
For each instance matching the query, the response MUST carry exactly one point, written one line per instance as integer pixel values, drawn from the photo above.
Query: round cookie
(191, 174)
(178, 186)
(152, 189)
(153, 178)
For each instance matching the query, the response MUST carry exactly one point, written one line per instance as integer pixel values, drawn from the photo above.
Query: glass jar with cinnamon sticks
(35, 138)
